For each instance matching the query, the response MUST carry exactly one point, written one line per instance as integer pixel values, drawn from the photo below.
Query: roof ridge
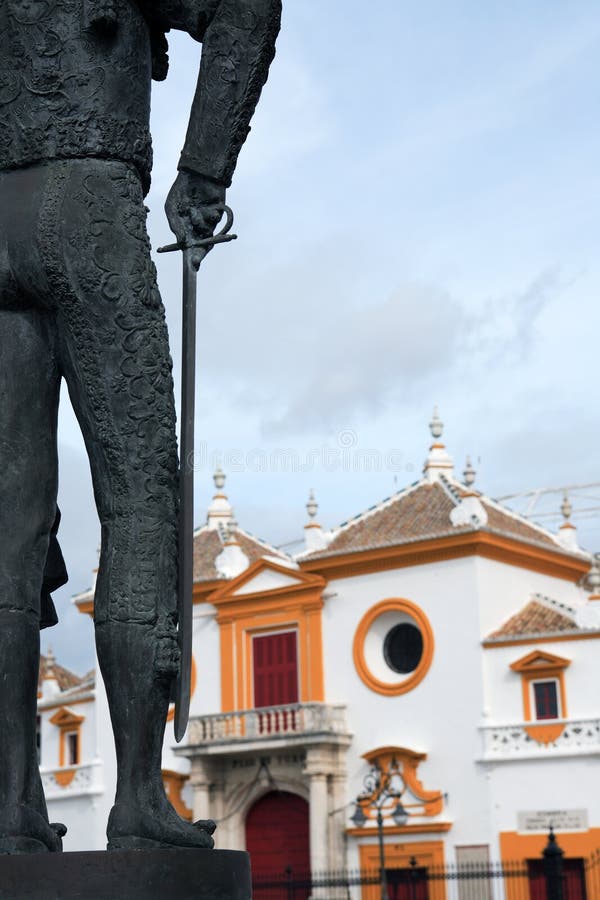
(555, 605)
(522, 519)
(382, 504)
(263, 543)
(449, 488)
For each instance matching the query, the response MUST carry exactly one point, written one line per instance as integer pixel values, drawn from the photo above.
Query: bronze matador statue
(79, 301)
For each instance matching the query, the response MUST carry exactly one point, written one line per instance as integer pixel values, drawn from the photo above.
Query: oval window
(403, 648)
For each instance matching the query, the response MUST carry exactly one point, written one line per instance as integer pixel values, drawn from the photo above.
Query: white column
(318, 766)
(200, 784)
(318, 822)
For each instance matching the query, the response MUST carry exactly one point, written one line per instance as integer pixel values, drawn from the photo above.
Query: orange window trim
(539, 666)
(360, 663)
(174, 783)
(503, 549)
(68, 723)
(515, 847)
(398, 856)
(295, 606)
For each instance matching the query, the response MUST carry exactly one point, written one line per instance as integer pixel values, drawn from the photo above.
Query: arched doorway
(277, 839)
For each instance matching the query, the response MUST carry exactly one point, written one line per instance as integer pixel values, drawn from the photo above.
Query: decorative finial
(312, 507)
(439, 461)
(567, 533)
(469, 473)
(566, 507)
(436, 426)
(219, 510)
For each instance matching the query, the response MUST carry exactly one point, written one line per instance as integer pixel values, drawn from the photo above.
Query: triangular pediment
(266, 576)
(539, 659)
(66, 718)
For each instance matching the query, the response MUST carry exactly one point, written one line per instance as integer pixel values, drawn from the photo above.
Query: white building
(438, 632)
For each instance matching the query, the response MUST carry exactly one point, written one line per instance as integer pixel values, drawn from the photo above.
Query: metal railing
(547, 877)
(291, 720)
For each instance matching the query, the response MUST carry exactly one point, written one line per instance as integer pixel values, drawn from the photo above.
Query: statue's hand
(194, 208)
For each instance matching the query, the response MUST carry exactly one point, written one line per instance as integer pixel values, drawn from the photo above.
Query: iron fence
(551, 877)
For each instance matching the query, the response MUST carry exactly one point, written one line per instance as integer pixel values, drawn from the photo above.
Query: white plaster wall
(105, 750)
(441, 715)
(504, 590)
(503, 686)
(206, 650)
(207, 695)
(525, 785)
(84, 820)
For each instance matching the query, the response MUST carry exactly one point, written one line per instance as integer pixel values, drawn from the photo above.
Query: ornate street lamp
(382, 792)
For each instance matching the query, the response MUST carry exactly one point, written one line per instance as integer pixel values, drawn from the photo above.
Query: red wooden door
(407, 884)
(275, 668)
(573, 879)
(277, 839)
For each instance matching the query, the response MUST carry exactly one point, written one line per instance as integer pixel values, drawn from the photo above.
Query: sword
(186, 465)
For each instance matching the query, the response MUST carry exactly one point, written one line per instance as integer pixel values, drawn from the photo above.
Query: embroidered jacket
(75, 78)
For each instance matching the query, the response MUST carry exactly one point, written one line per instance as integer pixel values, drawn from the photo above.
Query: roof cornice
(489, 545)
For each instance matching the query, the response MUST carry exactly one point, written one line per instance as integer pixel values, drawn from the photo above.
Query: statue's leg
(29, 390)
(114, 350)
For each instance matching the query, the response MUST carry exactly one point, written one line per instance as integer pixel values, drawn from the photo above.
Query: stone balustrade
(73, 781)
(269, 723)
(578, 737)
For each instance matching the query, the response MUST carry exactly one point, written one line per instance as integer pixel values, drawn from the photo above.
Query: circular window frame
(404, 685)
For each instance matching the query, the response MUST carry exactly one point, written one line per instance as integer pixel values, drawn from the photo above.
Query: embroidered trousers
(79, 301)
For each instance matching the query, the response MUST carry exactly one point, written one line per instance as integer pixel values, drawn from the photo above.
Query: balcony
(579, 737)
(73, 781)
(299, 724)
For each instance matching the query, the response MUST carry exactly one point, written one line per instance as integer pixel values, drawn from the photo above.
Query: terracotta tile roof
(535, 618)
(66, 679)
(208, 543)
(422, 512)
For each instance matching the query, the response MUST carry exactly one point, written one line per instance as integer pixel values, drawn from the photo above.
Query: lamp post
(383, 789)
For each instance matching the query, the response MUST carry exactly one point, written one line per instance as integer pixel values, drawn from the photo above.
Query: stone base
(127, 875)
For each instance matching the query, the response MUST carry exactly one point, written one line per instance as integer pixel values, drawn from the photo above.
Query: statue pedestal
(127, 875)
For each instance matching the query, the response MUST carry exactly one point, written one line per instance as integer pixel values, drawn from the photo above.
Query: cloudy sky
(418, 210)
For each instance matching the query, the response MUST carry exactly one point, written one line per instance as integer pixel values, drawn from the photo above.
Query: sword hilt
(221, 237)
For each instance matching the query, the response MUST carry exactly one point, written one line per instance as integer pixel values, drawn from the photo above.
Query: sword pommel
(221, 237)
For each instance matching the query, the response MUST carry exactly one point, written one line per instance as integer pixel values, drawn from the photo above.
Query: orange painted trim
(398, 856)
(174, 783)
(524, 641)
(228, 666)
(300, 580)
(545, 734)
(358, 649)
(193, 680)
(538, 661)
(515, 847)
(64, 777)
(421, 828)
(507, 550)
(203, 589)
(295, 606)
(68, 723)
(86, 607)
(542, 666)
(409, 761)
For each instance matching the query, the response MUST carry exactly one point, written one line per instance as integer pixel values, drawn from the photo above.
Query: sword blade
(186, 496)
